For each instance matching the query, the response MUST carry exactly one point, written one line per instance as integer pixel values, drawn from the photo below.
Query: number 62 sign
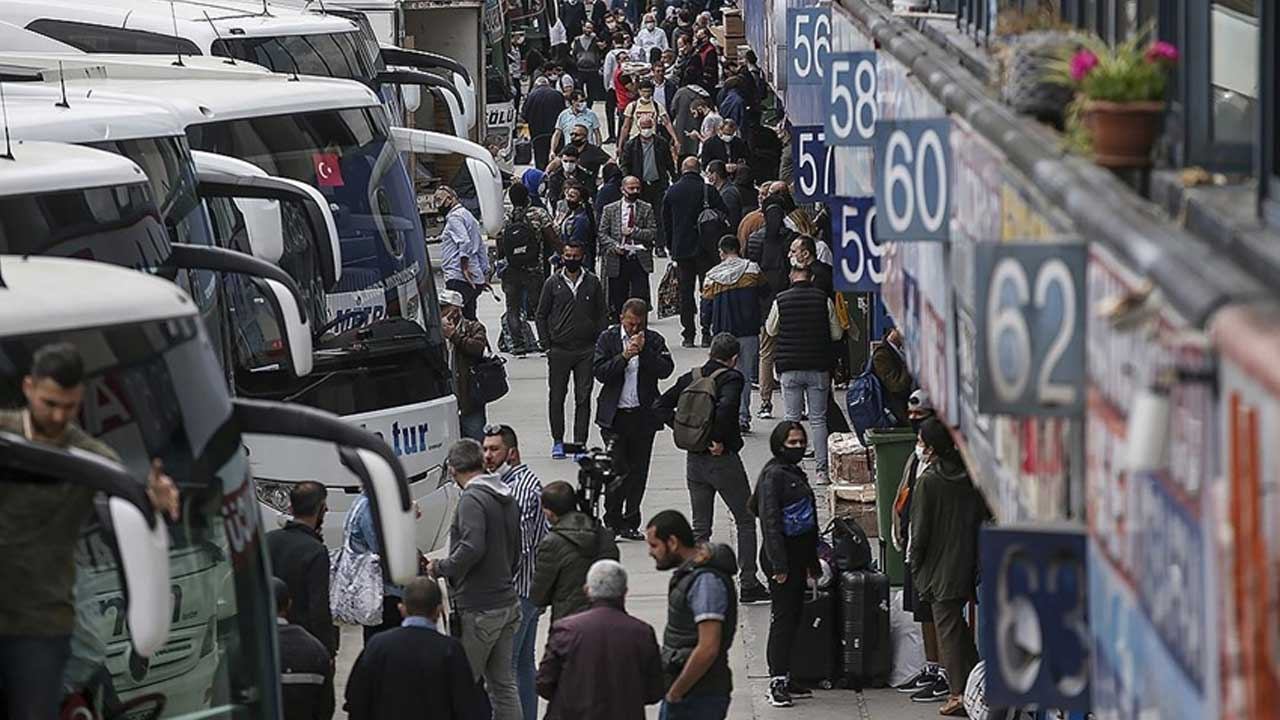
(1030, 314)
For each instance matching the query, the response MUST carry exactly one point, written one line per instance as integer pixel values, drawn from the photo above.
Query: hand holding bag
(489, 379)
(355, 579)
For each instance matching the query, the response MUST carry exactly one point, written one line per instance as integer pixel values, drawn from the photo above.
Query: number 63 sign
(1030, 315)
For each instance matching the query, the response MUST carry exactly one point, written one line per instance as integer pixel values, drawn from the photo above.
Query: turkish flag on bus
(328, 169)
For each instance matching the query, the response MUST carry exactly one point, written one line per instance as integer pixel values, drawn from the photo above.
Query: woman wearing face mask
(784, 502)
(942, 551)
(650, 36)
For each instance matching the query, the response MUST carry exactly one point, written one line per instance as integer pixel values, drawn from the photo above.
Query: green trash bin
(893, 448)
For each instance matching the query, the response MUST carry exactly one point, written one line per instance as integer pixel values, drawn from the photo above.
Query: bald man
(693, 254)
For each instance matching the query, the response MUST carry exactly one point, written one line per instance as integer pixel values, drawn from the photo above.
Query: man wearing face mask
(467, 343)
(628, 229)
(568, 171)
(709, 60)
(644, 107)
(649, 158)
(804, 255)
(650, 36)
(463, 255)
(890, 367)
(718, 176)
(578, 113)
(300, 559)
(571, 315)
(726, 147)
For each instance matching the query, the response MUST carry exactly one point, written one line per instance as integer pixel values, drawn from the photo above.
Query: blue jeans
(813, 386)
(748, 364)
(696, 707)
(31, 675)
(525, 643)
(471, 425)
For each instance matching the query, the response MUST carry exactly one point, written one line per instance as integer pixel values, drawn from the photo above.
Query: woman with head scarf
(785, 504)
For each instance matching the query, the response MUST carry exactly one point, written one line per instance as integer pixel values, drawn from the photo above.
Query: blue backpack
(865, 402)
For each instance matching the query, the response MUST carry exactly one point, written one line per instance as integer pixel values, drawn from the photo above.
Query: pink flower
(1082, 63)
(1162, 52)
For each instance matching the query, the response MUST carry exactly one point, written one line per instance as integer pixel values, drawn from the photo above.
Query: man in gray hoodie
(484, 553)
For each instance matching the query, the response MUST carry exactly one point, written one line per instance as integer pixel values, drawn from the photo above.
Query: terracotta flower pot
(1123, 132)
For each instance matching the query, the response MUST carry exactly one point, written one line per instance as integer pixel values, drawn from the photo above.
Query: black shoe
(687, 343)
(778, 695)
(797, 690)
(630, 534)
(706, 340)
(922, 679)
(937, 692)
(660, 252)
(754, 594)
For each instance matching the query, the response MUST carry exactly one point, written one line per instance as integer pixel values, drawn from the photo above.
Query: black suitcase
(813, 656)
(866, 648)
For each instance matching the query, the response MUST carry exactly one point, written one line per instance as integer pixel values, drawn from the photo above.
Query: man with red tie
(628, 229)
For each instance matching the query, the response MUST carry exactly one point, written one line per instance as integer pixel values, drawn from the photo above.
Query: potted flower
(1122, 95)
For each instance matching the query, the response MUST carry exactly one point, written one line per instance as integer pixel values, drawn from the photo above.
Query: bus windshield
(153, 390)
(382, 345)
(339, 55)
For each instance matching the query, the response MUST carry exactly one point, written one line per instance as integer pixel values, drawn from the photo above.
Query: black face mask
(791, 455)
(632, 197)
(573, 265)
(574, 204)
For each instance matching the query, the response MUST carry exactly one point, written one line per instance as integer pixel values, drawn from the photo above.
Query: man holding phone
(629, 361)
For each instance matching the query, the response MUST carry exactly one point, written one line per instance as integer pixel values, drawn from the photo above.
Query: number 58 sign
(1030, 316)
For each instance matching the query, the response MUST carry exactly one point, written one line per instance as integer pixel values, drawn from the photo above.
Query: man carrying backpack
(703, 411)
(527, 233)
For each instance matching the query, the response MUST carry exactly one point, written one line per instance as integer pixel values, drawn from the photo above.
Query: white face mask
(646, 132)
(649, 26)
(570, 166)
(502, 469)
(920, 454)
(726, 136)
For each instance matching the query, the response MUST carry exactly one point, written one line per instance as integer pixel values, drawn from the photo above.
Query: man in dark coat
(648, 156)
(541, 111)
(681, 207)
(564, 555)
(890, 367)
(566, 172)
(300, 559)
(306, 667)
(718, 176)
(414, 666)
(602, 662)
(726, 147)
(629, 361)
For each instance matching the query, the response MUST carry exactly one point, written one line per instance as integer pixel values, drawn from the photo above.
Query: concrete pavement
(525, 409)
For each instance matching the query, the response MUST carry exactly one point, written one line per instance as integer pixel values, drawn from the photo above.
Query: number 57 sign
(1030, 340)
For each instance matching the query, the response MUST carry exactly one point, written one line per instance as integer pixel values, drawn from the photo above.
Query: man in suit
(629, 361)
(648, 157)
(413, 666)
(628, 229)
(681, 206)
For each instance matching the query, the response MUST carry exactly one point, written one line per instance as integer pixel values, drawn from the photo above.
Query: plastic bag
(975, 692)
(355, 581)
(908, 642)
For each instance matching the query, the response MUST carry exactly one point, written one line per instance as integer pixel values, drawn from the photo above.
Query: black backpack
(850, 549)
(519, 243)
(712, 224)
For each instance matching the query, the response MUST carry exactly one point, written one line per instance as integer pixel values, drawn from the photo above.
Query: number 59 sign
(1030, 315)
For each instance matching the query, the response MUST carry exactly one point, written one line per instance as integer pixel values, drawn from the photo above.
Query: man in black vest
(702, 615)
(803, 319)
(629, 361)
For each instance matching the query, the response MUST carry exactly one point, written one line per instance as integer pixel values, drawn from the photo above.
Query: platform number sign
(809, 44)
(1030, 313)
(859, 267)
(813, 164)
(851, 104)
(913, 179)
(1036, 642)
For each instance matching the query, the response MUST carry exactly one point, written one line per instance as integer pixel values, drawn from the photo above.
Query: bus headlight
(273, 494)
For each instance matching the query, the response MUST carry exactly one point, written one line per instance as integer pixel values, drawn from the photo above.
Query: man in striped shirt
(502, 458)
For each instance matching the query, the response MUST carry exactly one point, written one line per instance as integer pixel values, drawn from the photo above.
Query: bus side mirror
(412, 95)
(144, 562)
(295, 333)
(485, 174)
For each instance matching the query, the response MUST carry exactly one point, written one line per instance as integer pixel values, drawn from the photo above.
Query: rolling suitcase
(866, 646)
(813, 656)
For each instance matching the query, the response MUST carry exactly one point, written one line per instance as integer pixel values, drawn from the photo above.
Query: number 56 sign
(1030, 340)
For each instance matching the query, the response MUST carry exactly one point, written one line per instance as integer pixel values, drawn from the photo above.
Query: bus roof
(42, 294)
(206, 99)
(39, 167)
(199, 21)
(36, 113)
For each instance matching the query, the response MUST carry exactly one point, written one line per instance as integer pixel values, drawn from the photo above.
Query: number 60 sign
(1030, 316)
